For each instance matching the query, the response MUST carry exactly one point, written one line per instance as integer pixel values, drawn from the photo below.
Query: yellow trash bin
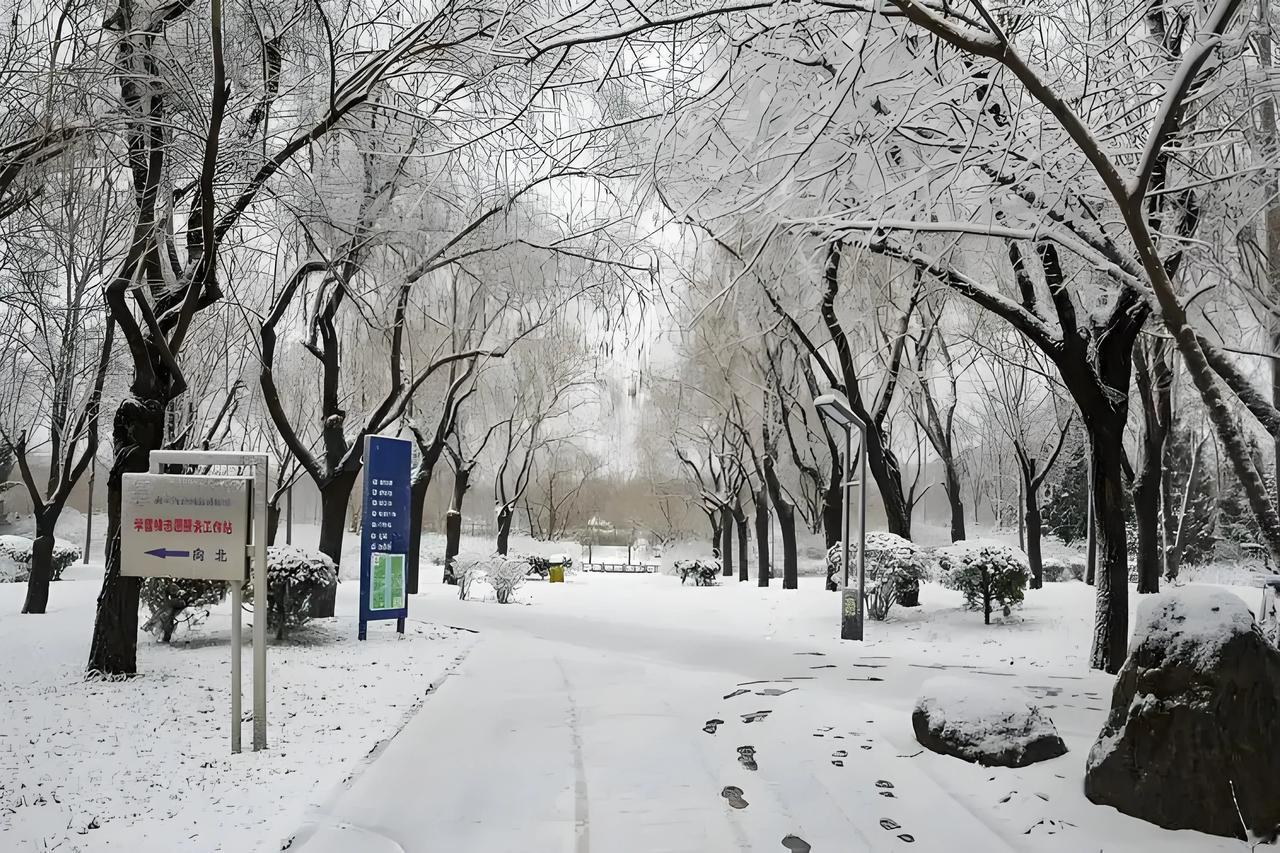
(555, 573)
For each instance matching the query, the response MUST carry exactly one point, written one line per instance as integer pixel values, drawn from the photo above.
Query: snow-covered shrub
(293, 575)
(465, 573)
(538, 565)
(505, 575)
(179, 601)
(1059, 570)
(987, 573)
(15, 558)
(703, 571)
(894, 566)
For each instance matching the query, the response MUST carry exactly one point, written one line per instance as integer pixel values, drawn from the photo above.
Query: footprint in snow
(774, 691)
(710, 727)
(755, 715)
(747, 757)
(738, 692)
(837, 756)
(733, 794)
(796, 844)
(891, 824)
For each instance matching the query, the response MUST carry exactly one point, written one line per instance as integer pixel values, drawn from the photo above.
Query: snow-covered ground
(606, 714)
(145, 765)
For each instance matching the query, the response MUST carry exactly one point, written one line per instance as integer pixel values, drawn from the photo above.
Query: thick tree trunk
(452, 540)
(956, 499)
(273, 522)
(504, 528)
(787, 527)
(762, 539)
(833, 506)
(740, 522)
(714, 517)
(786, 513)
(1033, 526)
(1146, 510)
(37, 600)
(1111, 618)
(453, 523)
(1091, 533)
(726, 546)
(417, 505)
(335, 495)
(137, 429)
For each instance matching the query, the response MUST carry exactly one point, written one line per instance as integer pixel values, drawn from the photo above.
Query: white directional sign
(184, 526)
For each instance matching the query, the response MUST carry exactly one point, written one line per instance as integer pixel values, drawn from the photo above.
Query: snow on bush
(293, 575)
(894, 566)
(987, 573)
(1058, 570)
(15, 558)
(503, 574)
(703, 571)
(179, 601)
(506, 575)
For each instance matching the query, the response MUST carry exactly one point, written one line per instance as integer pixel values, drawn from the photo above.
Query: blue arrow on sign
(164, 553)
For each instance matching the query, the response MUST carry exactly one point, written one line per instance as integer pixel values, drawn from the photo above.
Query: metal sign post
(384, 531)
(212, 517)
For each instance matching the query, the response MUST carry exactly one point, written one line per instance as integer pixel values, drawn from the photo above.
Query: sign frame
(201, 493)
(384, 531)
(256, 551)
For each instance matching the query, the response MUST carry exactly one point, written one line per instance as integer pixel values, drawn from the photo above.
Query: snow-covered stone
(1192, 740)
(983, 723)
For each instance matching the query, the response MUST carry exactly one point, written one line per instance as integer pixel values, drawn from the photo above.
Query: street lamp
(837, 411)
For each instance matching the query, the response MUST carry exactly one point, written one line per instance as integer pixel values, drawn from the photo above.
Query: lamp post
(837, 411)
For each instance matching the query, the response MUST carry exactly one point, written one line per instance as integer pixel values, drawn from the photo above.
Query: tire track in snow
(581, 811)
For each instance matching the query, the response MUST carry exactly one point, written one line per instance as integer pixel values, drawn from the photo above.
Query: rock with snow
(1193, 737)
(983, 723)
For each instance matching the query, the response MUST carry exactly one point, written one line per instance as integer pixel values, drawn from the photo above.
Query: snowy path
(572, 735)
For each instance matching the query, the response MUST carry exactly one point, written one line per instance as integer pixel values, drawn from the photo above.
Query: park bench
(623, 568)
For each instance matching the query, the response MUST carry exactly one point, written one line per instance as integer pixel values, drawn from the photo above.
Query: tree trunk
(790, 564)
(273, 522)
(453, 523)
(452, 539)
(740, 522)
(1091, 532)
(726, 547)
(1111, 618)
(137, 429)
(956, 499)
(417, 505)
(504, 528)
(833, 506)
(786, 513)
(1146, 510)
(335, 495)
(1033, 526)
(714, 517)
(762, 538)
(37, 600)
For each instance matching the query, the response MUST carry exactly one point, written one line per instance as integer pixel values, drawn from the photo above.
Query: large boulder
(984, 723)
(1193, 737)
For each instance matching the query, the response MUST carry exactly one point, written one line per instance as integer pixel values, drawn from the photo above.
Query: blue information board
(384, 531)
